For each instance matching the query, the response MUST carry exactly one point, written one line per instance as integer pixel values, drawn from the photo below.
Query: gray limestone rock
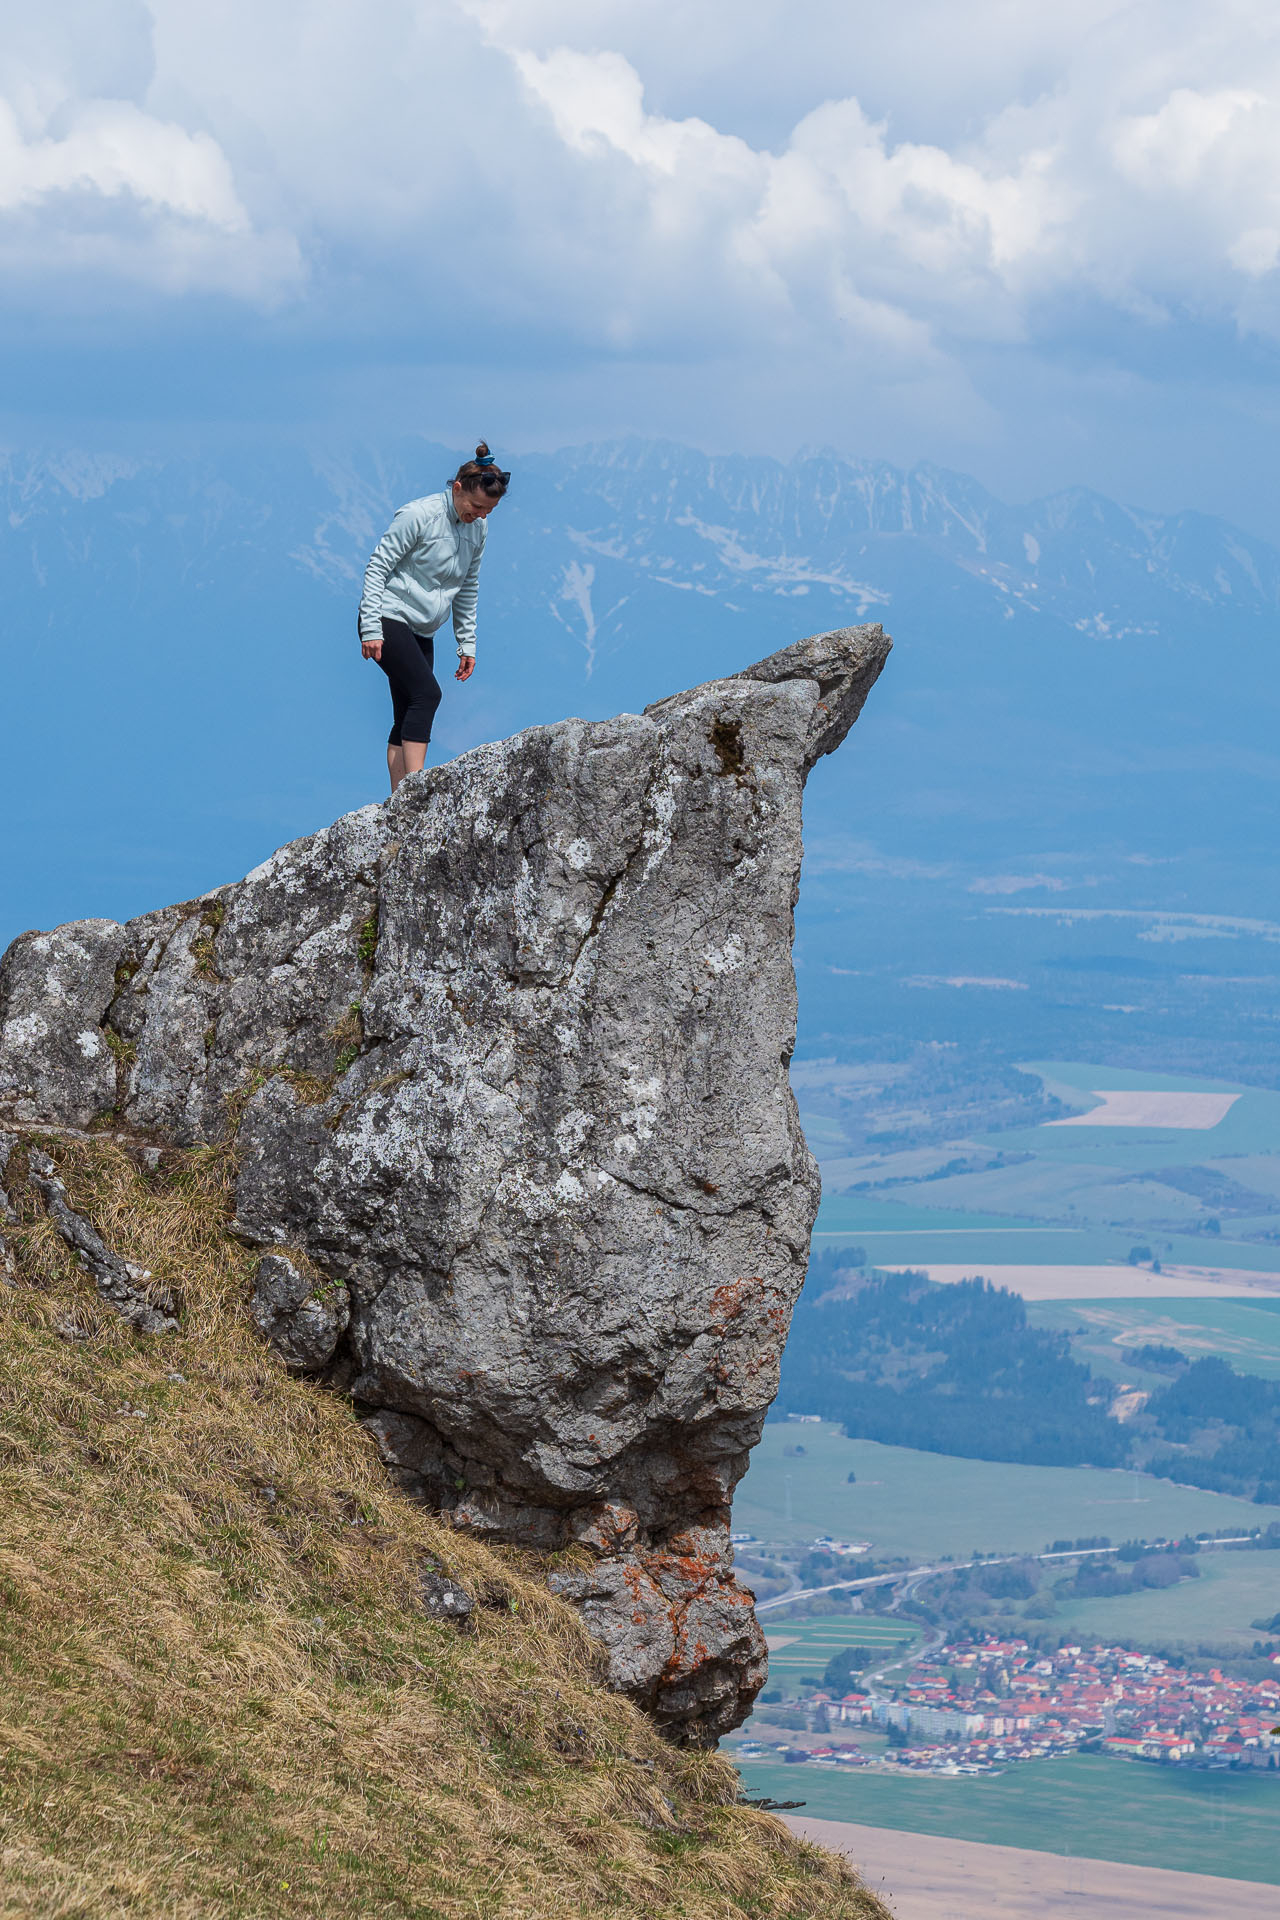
(681, 1635)
(126, 1288)
(444, 1599)
(55, 988)
(302, 1314)
(506, 1058)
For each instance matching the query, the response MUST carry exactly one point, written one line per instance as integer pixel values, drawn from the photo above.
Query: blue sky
(1037, 244)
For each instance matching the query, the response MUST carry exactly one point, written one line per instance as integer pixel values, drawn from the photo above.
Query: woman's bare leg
(409, 757)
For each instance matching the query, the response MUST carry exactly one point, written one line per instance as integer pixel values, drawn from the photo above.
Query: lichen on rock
(506, 1062)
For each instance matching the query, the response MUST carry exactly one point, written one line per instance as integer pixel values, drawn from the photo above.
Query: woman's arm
(400, 538)
(464, 615)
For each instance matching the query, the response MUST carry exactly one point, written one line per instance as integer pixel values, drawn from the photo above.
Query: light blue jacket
(427, 561)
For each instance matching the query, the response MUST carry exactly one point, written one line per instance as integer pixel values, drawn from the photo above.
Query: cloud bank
(867, 202)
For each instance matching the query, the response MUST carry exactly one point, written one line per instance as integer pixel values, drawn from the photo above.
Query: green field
(853, 1213)
(896, 1235)
(1111, 1191)
(1216, 1610)
(1251, 1125)
(811, 1643)
(1103, 1332)
(1094, 1806)
(925, 1505)
(1069, 1077)
(1092, 1184)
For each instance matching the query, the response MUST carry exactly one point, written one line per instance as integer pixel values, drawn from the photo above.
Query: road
(912, 1576)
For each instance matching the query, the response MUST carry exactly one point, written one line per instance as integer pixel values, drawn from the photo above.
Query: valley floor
(923, 1877)
(1089, 1806)
(924, 1505)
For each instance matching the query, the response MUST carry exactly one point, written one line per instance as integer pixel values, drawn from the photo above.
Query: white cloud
(991, 981)
(1175, 207)
(1173, 146)
(113, 149)
(839, 853)
(598, 98)
(604, 174)
(1256, 251)
(1016, 883)
(1156, 923)
(98, 183)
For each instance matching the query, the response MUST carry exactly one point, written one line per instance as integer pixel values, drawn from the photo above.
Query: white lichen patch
(641, 1117)
(728, 958)
(572, 1131)
(23, 1031)
(658, 830)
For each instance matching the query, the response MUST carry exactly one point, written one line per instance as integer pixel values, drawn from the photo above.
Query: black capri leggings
(408, 660)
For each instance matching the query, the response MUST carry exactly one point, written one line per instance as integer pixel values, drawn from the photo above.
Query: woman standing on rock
(427, 561)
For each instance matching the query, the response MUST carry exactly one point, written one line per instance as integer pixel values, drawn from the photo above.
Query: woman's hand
(466, 666)
(371, 649)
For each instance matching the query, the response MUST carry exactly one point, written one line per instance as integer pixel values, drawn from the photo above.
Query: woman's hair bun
(483, 475)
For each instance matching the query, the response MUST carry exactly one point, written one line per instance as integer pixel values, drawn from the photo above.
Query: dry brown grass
(219, 1694)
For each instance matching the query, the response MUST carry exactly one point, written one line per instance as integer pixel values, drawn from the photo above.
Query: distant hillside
(952, 1369)
(958, 1369)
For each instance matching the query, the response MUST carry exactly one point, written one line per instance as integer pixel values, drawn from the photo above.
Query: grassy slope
(219, 1694)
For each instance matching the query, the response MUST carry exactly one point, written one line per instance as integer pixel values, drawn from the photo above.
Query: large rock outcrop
(505, 1059)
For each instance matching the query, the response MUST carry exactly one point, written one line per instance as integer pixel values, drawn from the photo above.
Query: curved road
(914, 1575)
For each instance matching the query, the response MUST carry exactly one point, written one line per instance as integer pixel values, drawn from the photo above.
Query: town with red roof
(979, 1706)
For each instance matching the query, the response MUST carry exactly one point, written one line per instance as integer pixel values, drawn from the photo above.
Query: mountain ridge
(1116, 692)
(954, 514)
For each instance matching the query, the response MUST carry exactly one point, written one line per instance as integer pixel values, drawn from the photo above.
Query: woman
(427, 561)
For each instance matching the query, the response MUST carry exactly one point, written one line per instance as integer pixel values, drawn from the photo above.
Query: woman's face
(472, 506)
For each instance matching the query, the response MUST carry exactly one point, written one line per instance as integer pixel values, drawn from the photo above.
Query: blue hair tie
(485, 460)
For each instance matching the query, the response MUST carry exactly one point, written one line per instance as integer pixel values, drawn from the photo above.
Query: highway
(912, 1576)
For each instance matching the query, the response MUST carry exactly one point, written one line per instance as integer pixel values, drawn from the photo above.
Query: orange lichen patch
(731, 1299)
(692, 1576)
(607, 1528)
